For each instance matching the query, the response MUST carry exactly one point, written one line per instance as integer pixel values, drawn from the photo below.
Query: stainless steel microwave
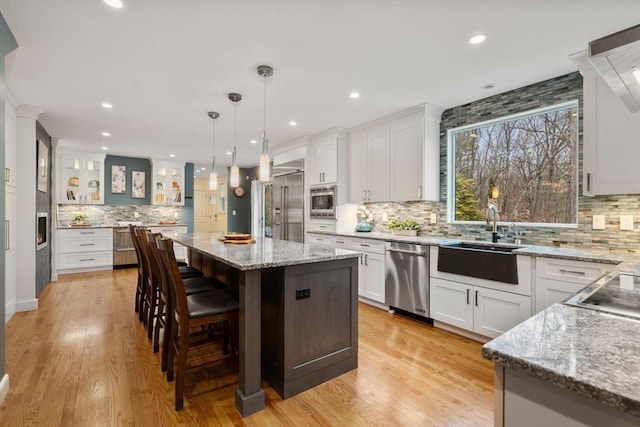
(323, 202)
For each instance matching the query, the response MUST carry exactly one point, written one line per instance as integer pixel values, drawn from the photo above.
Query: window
(526, 165)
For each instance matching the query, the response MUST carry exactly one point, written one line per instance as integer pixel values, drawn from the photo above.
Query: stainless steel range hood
(616, 57)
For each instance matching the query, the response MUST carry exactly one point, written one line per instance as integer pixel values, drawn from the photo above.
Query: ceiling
(165, 64)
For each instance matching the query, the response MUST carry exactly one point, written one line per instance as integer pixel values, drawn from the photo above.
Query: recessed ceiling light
(354, 95)
(114, 3)
(105, 148)
(292, 123)
(253, 141)
(489, 86)
(107, 105)
(106, 134)
(172, 155)
(228, 153)
(477, 39)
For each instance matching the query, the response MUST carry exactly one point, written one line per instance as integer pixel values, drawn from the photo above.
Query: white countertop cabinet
(80, 177)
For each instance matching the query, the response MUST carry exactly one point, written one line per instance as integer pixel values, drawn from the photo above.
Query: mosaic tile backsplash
(111, 214)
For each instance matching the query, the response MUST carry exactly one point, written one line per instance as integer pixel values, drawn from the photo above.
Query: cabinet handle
(366, 261)
(468, 292)
(588, 181)
(7, 238)
(322, 226)
(419, 191)
(579, 273)
(87, 232)
(364, 195)
(87, 244)
(476, 298)
(7, 174)
(319, 176)
(122, 231)
(88, 259)
(364, 245)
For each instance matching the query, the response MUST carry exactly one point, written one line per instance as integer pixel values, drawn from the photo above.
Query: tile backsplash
(111, 214)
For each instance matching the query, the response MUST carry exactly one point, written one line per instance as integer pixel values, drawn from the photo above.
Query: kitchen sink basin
(482, 260)
(614, 293)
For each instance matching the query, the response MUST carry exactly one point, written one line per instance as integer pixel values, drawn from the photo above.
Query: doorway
(210, 207)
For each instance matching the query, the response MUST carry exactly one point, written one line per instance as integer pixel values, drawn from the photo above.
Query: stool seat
(187, 272)
(210, 303)
(202, 284)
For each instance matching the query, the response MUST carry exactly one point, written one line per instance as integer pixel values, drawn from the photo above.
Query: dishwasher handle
(402, 251)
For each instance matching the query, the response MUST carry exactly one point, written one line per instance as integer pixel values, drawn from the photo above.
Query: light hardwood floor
(82, 359)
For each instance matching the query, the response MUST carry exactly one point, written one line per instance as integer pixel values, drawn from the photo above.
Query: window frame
(536, 111)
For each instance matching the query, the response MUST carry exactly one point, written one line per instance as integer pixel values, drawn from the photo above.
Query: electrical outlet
(626, 222)
(434, 218)
(136, 214)
(175, 215)
(233, 212)
(385, 217)
(598, 222)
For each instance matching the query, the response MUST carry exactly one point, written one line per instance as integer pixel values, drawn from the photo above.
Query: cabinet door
(378, 160)
(10, 135)
(358, 168)
(496, 312)
(176, 178)
(362, 277)
(451, 302)
(70, 175)
(549, 292)
(407, 152)
(318, 161)
(331, 161)
(375, 275)
(92, 180)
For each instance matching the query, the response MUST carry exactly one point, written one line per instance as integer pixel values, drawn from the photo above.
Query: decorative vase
(363, 226)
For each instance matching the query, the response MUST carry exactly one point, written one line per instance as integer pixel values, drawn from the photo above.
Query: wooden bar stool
(141, 272)
(196, 321)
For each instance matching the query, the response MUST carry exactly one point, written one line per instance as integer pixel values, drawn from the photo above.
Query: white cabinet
(84, 249)
(324, 161)
(611, 141)
(487, 312)
(558, 279)
(371, 271)
(168, 183)
(181, 252)
(80, 177)
(387, 161)
(320, 239)
(10, 145)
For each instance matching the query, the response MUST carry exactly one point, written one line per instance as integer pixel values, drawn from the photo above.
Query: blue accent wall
(132, 164)
(241, 221)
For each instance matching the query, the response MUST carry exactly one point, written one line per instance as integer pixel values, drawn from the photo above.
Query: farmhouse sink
(481, 260)
(613, 293)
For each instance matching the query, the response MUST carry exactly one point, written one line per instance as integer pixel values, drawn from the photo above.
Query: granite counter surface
(265, 253)
(593, 354)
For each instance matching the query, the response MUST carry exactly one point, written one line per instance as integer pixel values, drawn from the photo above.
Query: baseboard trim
(373, 303)
(9, 310)
(4, 387)
(27, 305)
(463, 332)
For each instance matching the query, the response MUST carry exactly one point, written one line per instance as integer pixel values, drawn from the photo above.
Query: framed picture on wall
(43, 167)
(137, 185)
(118, 179)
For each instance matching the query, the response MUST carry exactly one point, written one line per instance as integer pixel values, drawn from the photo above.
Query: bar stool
(194, 320)
(141, 272)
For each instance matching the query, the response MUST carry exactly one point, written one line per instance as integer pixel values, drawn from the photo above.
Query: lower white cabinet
(320, 239)
(484, 311)
(85, 249)
(558, 279)
(371, 272)
(180, 251)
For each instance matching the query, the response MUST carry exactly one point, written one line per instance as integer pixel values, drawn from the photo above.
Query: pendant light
(213, 176)
(234, 174)
(265, 163)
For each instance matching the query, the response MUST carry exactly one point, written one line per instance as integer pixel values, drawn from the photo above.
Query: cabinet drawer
(86, 232)
(368, 245)
(580, 272)
(320, 239)
(87, 244)
(84, 260)
(320, 225)
(340, 242)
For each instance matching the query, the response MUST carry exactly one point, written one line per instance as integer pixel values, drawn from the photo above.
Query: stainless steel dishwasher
(407, 278)
(123, 251)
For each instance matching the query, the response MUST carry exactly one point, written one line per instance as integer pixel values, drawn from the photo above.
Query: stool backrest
(176, 286)
(158, 264)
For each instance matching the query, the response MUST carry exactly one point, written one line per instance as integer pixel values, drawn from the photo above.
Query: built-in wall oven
(323, 202)
(407, 278)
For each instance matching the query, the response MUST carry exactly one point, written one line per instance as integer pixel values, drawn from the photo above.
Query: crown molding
(29, 111)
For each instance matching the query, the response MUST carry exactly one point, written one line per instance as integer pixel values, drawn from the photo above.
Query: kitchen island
(298, 311)
(567, 366)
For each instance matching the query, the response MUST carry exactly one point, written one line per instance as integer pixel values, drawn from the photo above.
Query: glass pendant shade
(265, 167)
(234, 176)
(213, 181)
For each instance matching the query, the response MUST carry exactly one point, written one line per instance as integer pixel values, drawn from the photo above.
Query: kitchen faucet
(493, 209)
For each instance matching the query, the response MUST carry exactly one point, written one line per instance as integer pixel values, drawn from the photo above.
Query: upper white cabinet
(168, 183)
(396, 160)
(80, 177)
(10, 138)
(328, 158)
(611, 139)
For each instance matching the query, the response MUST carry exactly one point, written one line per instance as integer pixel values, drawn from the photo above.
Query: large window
(526, 165)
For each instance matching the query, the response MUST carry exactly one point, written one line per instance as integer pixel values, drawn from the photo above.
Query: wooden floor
(82, 359)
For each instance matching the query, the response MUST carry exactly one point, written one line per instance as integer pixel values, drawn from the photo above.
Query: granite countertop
(265, 253)
(593, 354)
(531, 250)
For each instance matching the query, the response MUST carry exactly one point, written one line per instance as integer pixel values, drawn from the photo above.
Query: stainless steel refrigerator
(288, 202)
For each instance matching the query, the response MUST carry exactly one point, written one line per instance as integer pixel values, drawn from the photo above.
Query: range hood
(616, 57)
